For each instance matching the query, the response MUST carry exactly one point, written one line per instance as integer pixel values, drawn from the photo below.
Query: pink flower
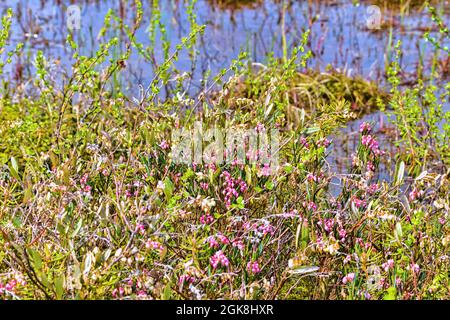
(415, 194)
(373, 188)
(219, 259)
(223, 239)
(266, 229)
(164, 145)
(342, 233)
(10, 286)
(370, 166)
(260, 127)
(365, 127)
(237, 243)
(186, 279)
(328, 224)
(304, 142)
(359, 203)
(212, 242)
(323, 142)
(84, 179)
(118, 292)
(266, 170)
(310, 205)
(253, 267)
(348, 278)
(388, 265)
(415, 268)
(347, 259)
(371, 143)
(231, 187)
(142, 294)
(155, 245)
(206, 219)
(140, 228)
(204, 186)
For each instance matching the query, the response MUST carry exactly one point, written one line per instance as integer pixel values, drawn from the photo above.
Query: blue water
(339, 35)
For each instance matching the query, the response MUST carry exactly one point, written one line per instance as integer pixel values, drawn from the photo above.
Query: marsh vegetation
(94, 205)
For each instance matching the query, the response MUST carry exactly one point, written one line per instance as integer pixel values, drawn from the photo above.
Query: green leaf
(187, 175)
(422, 175)
(36, 259)
(59, 287)
(297, 234)
(400, 173)
(305, 235)
(398, 230)
(304, 269)
(14, 169)
(248, 175)
(269, 185)
(88, 263)
(167, 292)
(312, 130)
(16, 222)
(288, 168)
(391, 294)
(168, 188)
(77, 228)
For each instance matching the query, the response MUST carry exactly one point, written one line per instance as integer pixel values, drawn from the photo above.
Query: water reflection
(339, 33)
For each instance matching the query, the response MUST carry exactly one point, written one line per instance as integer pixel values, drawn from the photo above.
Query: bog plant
(93, 206)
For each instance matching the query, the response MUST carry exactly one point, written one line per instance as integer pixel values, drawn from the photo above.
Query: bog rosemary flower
(155, 245)
(365, 127)
(206, 219)
(164, 145)
(219, 259)
(253, 267)
(372, 144)
(348, 278)
(388, 265)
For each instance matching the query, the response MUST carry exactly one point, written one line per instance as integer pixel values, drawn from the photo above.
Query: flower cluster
(218, 259)
(359, 203)
(370, 142)
(310, 205)
(85, 187)
(232, 187)
(253, 267)
(155, 245)
(206, 219)
(416, 194)
(10, 286)
(388, 265)
(365, 127)
(215, 241)
(185, 278)
(348, 278)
